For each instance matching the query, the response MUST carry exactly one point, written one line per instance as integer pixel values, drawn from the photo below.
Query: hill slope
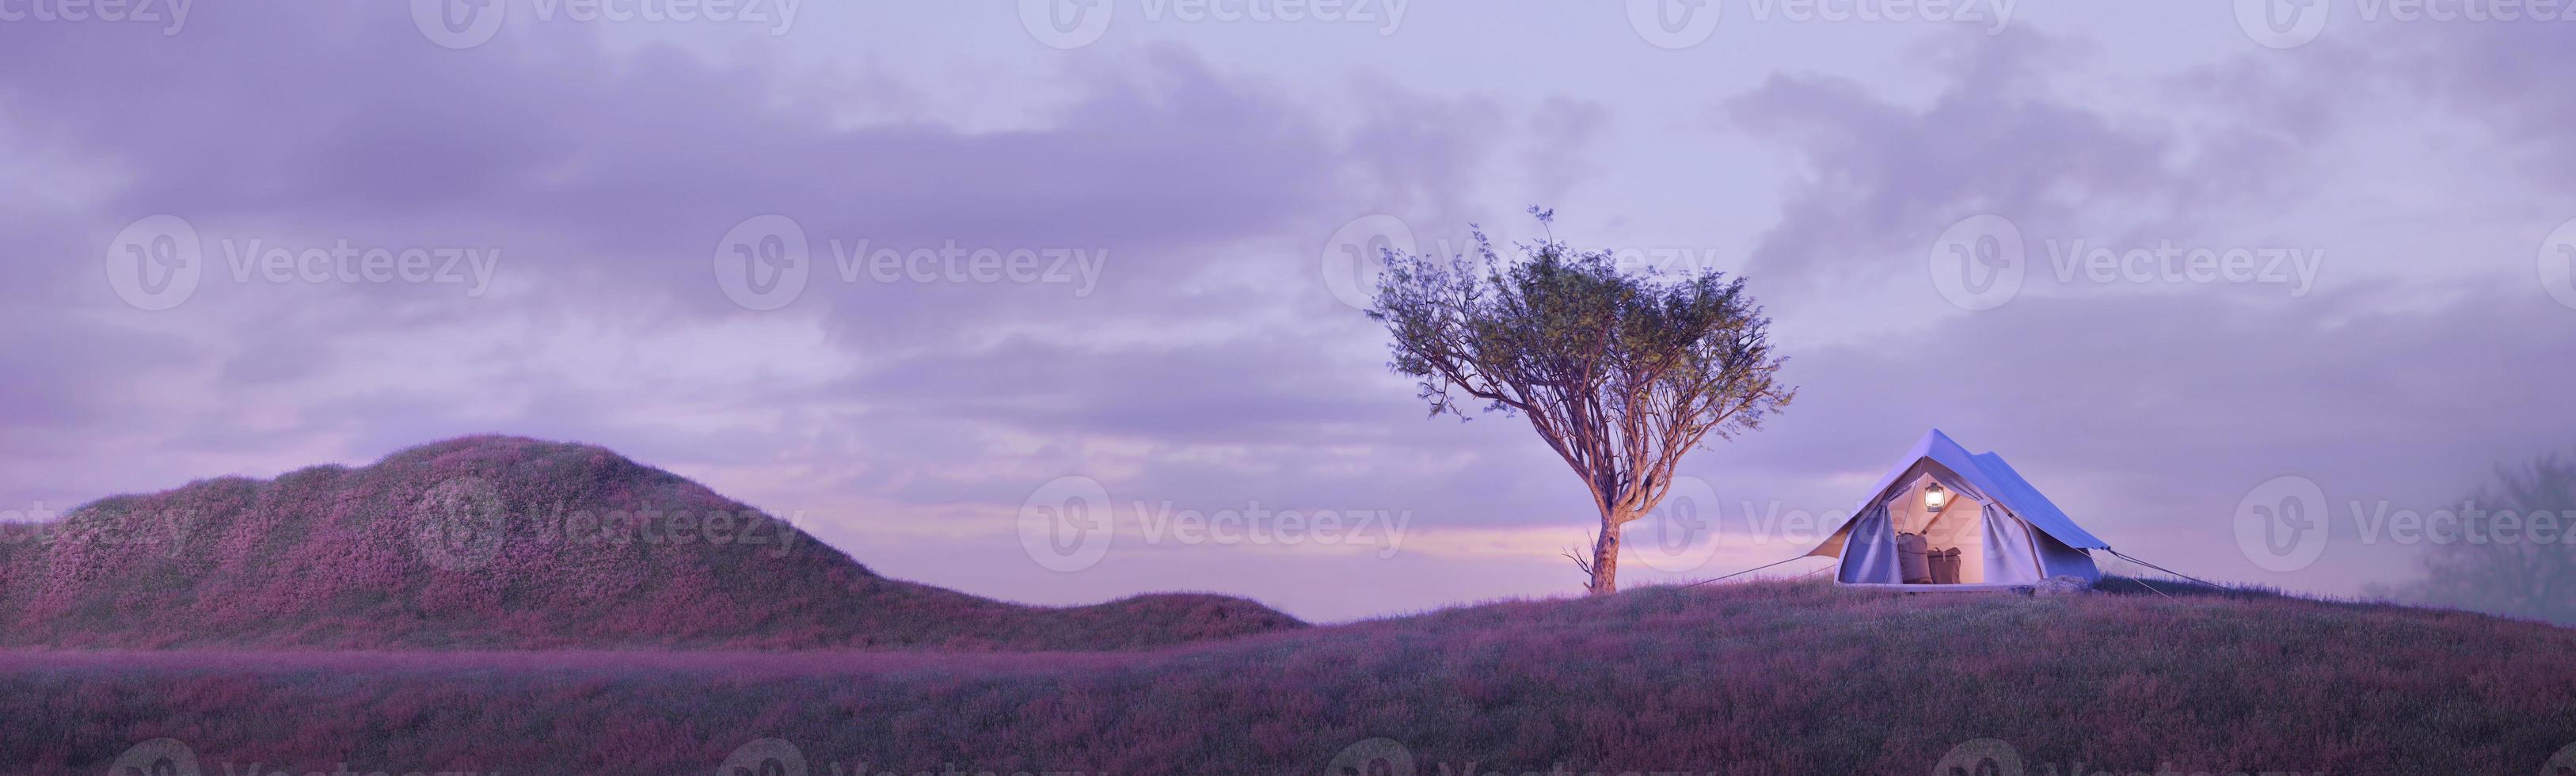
(1748, 679)
(499, 542)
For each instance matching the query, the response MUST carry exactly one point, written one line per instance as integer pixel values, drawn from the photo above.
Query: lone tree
(1620, 372)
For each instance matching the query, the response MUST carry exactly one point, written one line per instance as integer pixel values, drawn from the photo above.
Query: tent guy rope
(1739, 573)
(2126, 557)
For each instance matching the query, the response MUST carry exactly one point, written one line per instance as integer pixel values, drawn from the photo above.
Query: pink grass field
(1766, 678)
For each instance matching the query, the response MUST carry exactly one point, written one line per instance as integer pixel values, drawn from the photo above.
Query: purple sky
(1181, 183)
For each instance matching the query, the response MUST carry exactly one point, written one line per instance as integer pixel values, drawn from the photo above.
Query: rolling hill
(451, 609)
(1752, 679)
(507, 543)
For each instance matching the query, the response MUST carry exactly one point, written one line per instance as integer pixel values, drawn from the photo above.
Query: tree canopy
(1620, 371)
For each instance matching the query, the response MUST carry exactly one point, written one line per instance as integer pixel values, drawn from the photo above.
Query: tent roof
(2034, 506)
(1989, 475)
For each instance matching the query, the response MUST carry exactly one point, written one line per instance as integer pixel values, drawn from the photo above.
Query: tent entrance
(1962, 538)
(1942, 545)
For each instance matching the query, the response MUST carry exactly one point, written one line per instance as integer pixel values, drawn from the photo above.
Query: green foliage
(1621, 372)
(1562, 325)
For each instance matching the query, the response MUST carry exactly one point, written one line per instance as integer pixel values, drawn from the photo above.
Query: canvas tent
(1943, 508)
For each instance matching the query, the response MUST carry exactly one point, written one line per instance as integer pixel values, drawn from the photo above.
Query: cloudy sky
(910, 272)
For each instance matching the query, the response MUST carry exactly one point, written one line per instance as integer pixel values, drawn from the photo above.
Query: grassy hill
(507, 543)
(1768, 678)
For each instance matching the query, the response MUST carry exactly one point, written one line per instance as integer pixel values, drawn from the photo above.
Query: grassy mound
(507, 543)
(1768, 678)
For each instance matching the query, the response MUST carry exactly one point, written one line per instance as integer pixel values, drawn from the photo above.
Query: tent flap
(1870, 561)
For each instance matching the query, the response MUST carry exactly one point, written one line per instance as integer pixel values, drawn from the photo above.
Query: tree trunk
(1605, 559)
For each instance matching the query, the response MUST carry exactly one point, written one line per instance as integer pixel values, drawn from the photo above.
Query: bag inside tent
(1940, 539)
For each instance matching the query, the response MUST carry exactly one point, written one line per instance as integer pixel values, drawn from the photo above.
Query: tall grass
(1763, 678)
